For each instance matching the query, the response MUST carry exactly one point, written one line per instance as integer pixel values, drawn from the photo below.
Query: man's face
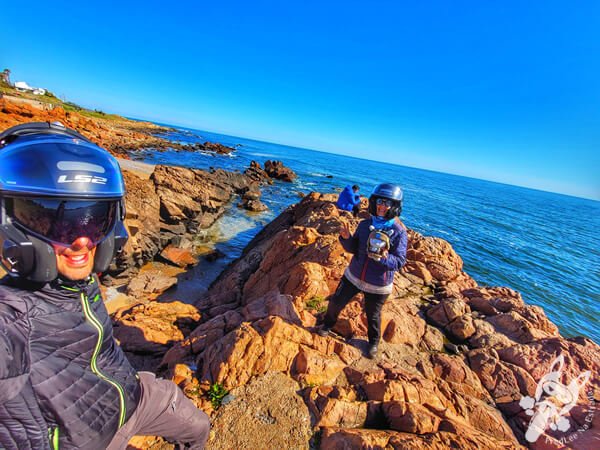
(77, 261)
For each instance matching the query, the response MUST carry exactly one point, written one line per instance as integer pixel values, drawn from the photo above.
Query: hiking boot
(372, 353)
(324, 331)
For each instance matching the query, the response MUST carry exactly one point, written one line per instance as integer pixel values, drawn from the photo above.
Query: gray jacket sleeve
(22, 425)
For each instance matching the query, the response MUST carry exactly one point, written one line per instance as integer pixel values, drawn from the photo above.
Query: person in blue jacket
(379, 248)
(349, 199)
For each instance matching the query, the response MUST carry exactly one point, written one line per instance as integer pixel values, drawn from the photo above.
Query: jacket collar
(74, 286)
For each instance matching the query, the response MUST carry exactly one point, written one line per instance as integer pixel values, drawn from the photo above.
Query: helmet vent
(80, 166)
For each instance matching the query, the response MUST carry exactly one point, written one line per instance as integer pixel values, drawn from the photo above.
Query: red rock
(516, 327)
(153, 327)
(179, 256)
(462, 327)
(401, 323)
(438, 256)
(384, 390)
(341, 413)
(181, 374)
(419, 269)
(270, 345)
(276, 169)
(410, 418)
(486, 336)
(447, 310)
(272, 304)
(498, 379)
(340, 438)
(256, 173)
(313, 367)
(254, 205)
(433, 339)
(149, 284)
(218, 148)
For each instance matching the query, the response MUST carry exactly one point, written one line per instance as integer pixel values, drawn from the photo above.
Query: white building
(22, 86)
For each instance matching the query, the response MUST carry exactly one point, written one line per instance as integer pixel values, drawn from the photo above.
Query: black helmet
(54, 185)
(388, 191)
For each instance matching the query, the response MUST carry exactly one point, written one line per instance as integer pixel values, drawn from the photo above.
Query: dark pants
(355, 210)
(164, 411)
(373, 304)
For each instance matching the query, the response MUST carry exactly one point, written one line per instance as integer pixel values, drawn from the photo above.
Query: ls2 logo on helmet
(82, 179)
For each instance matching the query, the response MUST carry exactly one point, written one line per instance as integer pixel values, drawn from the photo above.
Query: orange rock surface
(258, 320)
(253, 332)
(117, 136)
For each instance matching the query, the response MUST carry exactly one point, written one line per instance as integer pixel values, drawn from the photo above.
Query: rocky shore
(167, 207)
(456, 362)
(118, 135)
(456, 358)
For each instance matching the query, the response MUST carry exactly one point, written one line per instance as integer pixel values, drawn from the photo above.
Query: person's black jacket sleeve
(22, 426)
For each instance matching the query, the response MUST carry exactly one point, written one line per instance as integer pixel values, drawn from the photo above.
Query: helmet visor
(63, 221)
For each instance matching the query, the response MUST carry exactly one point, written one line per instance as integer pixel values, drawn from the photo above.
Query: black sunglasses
(385, 201)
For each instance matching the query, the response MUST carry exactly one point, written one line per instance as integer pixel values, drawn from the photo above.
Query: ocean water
(542, 244)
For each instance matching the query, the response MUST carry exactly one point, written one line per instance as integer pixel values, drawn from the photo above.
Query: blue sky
(505, 91)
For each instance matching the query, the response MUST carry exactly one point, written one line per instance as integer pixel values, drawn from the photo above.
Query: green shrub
(216, 394)
(317, 303)
(70, 106)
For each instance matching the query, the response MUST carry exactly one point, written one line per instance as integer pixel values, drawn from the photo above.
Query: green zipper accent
(93, 364)
(69, 288)
(53, 437)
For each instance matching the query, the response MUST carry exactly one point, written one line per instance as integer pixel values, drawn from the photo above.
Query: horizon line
(579, 197)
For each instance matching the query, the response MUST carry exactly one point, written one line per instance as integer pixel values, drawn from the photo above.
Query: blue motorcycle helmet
(56, 186)
(387, 191)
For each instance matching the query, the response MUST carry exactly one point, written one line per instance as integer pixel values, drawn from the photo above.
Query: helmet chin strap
(44, 269)
(109, 247)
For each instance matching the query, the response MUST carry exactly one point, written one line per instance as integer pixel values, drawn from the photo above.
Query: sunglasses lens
(63, 221)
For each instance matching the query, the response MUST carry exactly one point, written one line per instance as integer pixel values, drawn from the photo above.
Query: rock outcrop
(118, 135)
(258, 320)
(217, 148)
(256, 172)
(276, 169)
(166, 211)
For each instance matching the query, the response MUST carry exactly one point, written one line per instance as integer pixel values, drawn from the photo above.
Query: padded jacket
(347, 199)
(376, 273)
(64, 382)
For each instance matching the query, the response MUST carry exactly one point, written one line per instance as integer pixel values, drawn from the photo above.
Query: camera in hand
(377, 244)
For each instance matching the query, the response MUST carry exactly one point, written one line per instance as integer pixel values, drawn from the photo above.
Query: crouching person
(64, 381)
(379, 249)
